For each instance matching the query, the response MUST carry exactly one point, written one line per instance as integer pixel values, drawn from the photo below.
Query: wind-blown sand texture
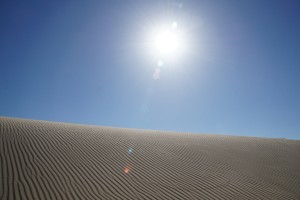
(46, 160)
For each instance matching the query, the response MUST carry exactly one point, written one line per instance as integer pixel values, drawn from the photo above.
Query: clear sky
(90, 62)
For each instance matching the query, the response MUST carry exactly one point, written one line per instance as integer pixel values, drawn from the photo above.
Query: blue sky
(88, 62)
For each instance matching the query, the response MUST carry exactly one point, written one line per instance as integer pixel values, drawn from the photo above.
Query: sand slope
(46, 160)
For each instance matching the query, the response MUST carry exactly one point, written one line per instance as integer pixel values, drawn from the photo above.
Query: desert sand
(50, 160)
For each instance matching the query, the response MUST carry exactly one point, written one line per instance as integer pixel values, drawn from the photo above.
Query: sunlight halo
(166, 41)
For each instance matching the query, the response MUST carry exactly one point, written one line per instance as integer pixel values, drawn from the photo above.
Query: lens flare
(130, 150)
(174, 25)
(156, 74)
(126, 170)
(160, 63)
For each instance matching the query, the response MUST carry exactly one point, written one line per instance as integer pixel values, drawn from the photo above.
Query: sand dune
(46, 160)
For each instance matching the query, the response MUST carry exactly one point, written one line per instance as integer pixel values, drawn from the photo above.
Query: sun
(167, 42)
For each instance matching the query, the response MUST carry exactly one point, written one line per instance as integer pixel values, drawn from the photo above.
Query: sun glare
(166, 41)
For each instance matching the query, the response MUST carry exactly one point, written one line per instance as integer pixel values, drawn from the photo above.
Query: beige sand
(46, 160)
